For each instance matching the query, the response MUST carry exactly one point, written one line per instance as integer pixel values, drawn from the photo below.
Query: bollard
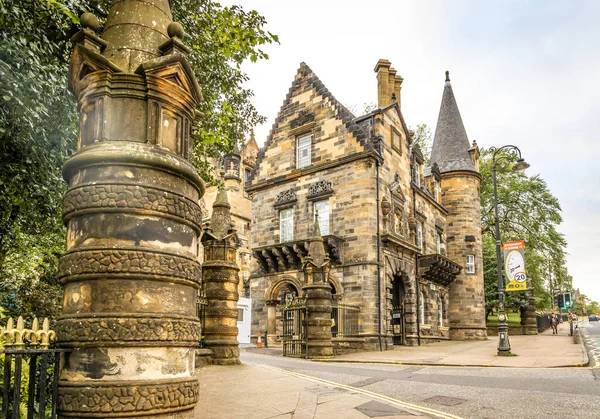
(266, 341)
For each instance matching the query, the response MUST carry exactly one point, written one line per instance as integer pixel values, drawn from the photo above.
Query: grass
(514, 319)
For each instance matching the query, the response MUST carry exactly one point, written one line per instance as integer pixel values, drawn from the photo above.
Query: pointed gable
(309, 107)
(450, 144)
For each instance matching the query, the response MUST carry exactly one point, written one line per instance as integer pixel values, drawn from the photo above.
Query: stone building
(236, 168)
(404, 238)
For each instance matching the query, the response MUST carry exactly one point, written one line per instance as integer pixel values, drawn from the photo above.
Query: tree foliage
(424, 139)
(527, 210)
(38, 122)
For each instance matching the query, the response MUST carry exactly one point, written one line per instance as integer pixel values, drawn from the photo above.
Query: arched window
(440, 311)
(422, 308)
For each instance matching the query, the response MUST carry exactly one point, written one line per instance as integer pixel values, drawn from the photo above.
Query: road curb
(584, 346)
(424, 364)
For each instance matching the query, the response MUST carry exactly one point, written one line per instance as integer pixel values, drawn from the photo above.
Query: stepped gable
(360, 132)
(450, 144)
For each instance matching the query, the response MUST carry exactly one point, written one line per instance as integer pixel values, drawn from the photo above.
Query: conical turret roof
(134, 30)
(450, 144)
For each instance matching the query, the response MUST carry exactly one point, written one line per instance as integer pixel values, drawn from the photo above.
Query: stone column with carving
(528, 316)
(220, 274)
(317, 292)
(131, 270)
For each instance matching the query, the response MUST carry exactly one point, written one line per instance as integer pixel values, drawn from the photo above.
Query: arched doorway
(398, 310)
(287, 293)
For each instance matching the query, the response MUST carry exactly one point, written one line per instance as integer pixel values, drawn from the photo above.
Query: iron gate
(294, 328)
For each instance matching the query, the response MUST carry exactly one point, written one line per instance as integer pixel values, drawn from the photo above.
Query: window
(303, 144)
(422, 308)
(436, 191)
(438, 243)
(247, 173)
(440, 311)
(396, 140)
(470, 264)
(419, 237)
(286, 225)
(417, 174)
(322, 208)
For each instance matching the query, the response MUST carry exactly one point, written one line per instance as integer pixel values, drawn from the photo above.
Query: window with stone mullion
(286, 225)
(322, 208)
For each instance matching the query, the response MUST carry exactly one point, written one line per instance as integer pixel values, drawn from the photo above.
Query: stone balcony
(288, 256)
(438, 269)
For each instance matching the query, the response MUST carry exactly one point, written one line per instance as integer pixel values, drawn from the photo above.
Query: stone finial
(316, 249)
(220, 221)
(447, 75)
(89, 21)
(175, 30)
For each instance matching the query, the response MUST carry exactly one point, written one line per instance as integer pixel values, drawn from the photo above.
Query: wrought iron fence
(294, 328)
(344, 319)
(201, 305)
(544, 321)
(30, 370)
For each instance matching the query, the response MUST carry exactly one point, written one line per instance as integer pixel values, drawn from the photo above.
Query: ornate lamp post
(520, 165)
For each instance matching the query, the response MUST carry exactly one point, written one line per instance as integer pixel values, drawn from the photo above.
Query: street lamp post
(520, 165)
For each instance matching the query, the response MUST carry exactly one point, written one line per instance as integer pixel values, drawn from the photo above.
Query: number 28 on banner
(514, 265)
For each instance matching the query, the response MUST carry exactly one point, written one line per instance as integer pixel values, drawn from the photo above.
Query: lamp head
(521, 165)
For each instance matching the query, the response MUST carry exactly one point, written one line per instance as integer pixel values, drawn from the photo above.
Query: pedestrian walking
(554, 324)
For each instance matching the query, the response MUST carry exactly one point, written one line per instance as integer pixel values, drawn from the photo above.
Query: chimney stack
(388, 84)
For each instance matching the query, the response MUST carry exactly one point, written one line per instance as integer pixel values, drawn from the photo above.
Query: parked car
(593, 318)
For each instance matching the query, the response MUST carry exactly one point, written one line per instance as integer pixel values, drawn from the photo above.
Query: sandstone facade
(394, 229)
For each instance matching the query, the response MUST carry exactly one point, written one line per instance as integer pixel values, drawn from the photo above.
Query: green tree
(526, 210)
(593, 307)
(424, 139)
(38, 122)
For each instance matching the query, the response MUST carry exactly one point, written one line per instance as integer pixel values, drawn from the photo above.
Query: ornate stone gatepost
(528, 316)
(130, 272)
(317, 292)
(221, 279)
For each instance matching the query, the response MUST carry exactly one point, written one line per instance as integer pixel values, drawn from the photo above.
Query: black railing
(29, 369)
(294, 328)
(344, 319)
(30, 382)
(544, 321)
(201, 305)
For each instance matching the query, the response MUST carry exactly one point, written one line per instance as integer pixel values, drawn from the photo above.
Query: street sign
(514, 265)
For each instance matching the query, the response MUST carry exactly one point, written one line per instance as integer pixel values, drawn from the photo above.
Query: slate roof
(450, 144)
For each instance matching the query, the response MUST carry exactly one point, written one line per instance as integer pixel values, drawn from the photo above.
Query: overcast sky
(523, 72)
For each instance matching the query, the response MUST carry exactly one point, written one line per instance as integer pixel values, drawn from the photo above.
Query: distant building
(236, 168)
(404, 238)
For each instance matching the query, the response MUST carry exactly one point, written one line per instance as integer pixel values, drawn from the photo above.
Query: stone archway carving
(338, 289)
(272, 292)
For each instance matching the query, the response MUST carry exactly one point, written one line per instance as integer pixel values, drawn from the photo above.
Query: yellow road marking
(371, 394)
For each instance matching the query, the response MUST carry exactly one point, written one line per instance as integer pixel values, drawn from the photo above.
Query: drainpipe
(377, 165)
(417, 284)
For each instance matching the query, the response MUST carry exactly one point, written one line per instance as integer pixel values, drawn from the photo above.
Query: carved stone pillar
(528, 316)
(317, 292)
(130, 272)
(220, 275)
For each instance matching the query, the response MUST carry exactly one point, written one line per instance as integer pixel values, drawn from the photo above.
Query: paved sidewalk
(246, 391)
(539, 351)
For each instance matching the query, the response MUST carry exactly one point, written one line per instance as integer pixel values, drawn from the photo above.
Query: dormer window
(303, 148)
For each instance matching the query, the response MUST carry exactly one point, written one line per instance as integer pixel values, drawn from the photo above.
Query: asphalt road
(592, 335)
(466, 392)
